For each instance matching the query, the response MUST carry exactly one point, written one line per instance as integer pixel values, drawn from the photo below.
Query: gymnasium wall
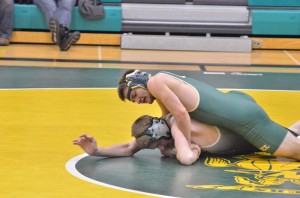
(222, 18)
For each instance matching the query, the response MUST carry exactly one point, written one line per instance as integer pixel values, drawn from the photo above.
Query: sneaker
(4, 42)
(68, 40)
(54, 29)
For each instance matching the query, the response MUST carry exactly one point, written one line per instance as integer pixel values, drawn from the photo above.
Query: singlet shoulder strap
(171, 117)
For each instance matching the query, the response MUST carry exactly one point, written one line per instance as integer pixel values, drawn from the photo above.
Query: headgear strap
(159, 129)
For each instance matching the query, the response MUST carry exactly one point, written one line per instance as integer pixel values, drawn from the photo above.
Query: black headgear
(136, 79)
(159, 129)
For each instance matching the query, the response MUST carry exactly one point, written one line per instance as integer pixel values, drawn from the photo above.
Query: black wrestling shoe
(62, 36)
(54, 29)
(68, 39)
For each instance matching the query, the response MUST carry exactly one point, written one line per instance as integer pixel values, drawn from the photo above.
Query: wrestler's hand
(87, 143)
(196, 150)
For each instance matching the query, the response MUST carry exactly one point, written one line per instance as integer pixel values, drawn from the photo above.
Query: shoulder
(158, 76)
(156, 81)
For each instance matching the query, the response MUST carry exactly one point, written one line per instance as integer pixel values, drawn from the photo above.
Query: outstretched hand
(196, 150)
(87, 143)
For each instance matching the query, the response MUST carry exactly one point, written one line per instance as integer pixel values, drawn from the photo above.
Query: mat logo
(259, 172)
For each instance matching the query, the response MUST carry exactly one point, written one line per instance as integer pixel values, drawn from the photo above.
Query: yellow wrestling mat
(38, 126)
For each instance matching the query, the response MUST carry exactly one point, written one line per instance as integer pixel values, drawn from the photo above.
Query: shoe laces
(64, 32)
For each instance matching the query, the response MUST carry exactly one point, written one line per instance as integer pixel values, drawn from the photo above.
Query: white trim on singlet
(213, 144)
(198, 99)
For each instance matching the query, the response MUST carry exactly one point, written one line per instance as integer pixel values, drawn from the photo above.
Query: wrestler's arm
(164, 110)
(171, 102)
(187, 153)
(89, 145)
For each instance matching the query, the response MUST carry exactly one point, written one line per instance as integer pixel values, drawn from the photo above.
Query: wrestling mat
(44, 108)
(257, 174)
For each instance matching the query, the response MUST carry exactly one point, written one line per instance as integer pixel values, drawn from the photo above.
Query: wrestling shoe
(68, 39)
(4, 42)
(54, 29)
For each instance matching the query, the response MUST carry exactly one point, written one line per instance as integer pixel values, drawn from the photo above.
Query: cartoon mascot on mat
(260, 173)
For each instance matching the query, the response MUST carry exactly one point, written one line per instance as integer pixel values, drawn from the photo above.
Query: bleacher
(205, 25)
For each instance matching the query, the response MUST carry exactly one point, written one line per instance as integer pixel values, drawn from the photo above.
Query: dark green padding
(274, 3)
(112, 21)
(28, 17)
(276, 22)
(49, 77)
(111, 1)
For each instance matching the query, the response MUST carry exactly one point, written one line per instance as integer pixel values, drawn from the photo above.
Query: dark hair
(123, 77)
(121, 89)
(138, 127)
(123, 84)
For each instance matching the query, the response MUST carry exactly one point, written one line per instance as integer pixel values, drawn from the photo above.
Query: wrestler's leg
(296, 127)
(290, 147)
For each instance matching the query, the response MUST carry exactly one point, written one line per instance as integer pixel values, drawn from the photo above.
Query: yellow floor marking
(38, 126)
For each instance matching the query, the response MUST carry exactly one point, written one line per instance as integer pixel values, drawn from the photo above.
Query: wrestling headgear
(159, 129)
(136, 79)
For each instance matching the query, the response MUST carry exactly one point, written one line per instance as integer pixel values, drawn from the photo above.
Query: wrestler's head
(149, 131)
(133, 87)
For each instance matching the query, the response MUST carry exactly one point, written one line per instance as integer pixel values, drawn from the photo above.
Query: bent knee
(296, 127)
(289, 148)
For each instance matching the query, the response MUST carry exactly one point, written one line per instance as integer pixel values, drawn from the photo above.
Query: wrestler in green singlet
(237, 112)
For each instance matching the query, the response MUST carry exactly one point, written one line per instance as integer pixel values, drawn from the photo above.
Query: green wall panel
(111, 1)
(276, 22)
(28, 17)
(274, 2)
(111, 23)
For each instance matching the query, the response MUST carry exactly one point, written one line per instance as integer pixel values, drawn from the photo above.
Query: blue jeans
(59, 9)
(6, 18)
